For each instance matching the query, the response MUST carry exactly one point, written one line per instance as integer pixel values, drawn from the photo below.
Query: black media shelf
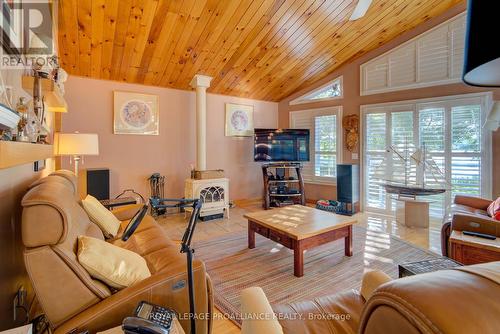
(281, 186)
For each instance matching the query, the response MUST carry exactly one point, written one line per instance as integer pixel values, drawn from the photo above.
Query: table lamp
(76, 145)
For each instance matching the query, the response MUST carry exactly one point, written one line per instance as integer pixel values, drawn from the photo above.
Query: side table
(467, 249)
(112, 203)
(426, 266)
(176, 329)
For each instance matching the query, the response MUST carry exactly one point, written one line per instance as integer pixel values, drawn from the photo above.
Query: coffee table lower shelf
(300, 245)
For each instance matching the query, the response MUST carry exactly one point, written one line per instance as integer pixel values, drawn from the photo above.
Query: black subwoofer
(348, 187)
(98, 183)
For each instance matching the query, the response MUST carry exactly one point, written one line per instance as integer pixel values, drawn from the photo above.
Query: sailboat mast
(423, 166)
(406, 161)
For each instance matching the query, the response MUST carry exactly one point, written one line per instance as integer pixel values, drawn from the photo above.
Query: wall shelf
(53, 97)
(13, 153)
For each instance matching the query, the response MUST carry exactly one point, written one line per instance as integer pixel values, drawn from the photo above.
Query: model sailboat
(412, 173)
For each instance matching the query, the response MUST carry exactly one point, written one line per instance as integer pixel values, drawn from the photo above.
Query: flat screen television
(277, 145)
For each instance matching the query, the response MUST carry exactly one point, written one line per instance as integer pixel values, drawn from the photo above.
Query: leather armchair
(462, 300)
(469, 214)
(52, 220)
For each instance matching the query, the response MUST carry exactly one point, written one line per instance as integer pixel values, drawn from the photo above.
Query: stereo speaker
(348, 186)
(98, 183)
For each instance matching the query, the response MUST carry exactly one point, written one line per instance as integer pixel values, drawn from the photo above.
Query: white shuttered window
(324, 128)
(451, 130)
(432, 58)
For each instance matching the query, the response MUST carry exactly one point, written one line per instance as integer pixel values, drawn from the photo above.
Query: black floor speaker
(348, 187)
(98, 182)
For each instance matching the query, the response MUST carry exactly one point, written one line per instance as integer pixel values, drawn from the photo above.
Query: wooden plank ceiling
(262, 49)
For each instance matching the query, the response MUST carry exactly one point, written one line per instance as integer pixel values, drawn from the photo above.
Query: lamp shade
(76, 144)
(482, 49)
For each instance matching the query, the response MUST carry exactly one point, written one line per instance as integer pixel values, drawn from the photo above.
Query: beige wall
(13, 184)
(133, 158)
(352, 100)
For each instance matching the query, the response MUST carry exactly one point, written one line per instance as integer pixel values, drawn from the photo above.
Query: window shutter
(430, 59)
(325, 142)
(452, 133)
(323, 127)
(402, 136)
(466, 138)
(431, 126)
(375, 192)
(466, 175)
(375, 75)
(303, 120)
(375, 129)
(375, 143)
(433, 56)
(402, 66)
(465, 128)
(457, 40)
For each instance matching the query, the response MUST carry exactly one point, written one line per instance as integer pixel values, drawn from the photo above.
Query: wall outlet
(354, 156)
(20, 302)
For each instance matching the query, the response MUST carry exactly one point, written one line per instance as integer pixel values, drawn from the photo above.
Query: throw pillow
(101, 216)
(115, 266)
(494, 209)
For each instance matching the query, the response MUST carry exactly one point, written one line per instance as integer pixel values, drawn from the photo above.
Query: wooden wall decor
(350, 124)
(262, 49)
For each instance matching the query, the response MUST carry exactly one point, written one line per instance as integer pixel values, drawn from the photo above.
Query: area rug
(233, 267)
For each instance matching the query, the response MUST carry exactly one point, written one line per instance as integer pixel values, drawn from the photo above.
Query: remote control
(480, 235)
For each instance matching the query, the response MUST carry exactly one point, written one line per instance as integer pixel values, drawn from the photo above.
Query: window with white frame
(331, 90)
(433, 58)
(324, 128)
(450, 128)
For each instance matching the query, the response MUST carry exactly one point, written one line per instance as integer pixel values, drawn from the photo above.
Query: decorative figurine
(351, 127)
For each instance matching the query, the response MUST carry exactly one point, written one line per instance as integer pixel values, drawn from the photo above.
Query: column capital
(200, 80)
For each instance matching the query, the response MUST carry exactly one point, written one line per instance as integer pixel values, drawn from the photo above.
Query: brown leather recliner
(53, 219)
(462, 300)
(467, 214)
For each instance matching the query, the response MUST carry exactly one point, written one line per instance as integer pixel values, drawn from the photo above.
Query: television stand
(282, 186)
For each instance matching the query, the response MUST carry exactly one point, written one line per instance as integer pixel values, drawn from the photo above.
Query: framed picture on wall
(239, 120)
(135, 113)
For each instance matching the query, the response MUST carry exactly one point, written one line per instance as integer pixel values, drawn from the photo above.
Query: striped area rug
(233, 267)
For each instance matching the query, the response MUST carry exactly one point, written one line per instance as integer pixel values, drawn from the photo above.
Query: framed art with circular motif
(239, 120)
(135, 113)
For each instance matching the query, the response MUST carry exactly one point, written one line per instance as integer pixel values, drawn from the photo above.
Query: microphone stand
(195, 204)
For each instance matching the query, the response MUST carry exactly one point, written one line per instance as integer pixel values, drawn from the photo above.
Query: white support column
(201, 83)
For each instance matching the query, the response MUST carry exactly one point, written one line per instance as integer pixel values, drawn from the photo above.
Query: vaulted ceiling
(263, 49)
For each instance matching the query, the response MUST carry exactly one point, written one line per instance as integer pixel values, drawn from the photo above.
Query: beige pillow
(107, 221)
(115, 266)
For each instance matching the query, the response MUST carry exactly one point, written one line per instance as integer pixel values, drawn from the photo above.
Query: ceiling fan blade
(360, 9)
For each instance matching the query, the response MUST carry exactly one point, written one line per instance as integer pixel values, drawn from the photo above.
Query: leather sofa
(462, 300)
(52, 220)
(467, 214)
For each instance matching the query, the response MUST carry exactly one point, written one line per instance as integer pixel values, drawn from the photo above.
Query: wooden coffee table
(299, 228)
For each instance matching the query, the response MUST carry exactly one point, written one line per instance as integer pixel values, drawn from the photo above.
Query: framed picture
(239, 120)
(135, 113)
